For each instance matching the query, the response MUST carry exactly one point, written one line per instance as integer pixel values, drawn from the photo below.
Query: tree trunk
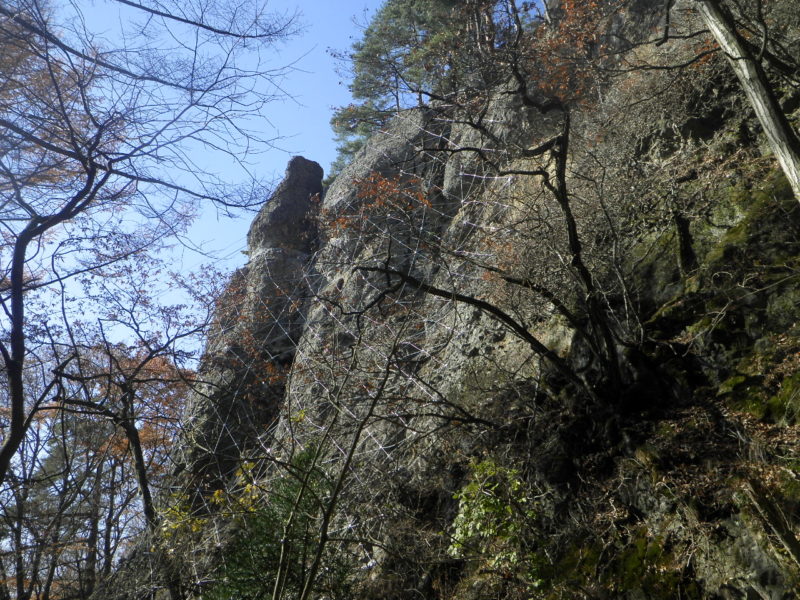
(782, 137)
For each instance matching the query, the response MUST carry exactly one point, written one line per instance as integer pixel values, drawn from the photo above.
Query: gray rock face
(433, 357)
(396, 150)
(387, 373)
(286, 221)
(258, 323)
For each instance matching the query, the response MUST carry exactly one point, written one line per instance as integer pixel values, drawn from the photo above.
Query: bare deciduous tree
(99, 153)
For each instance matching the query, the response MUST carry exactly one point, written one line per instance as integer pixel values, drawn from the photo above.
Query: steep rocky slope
(419, 388)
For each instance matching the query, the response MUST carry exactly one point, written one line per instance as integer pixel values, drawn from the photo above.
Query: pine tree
(408, 52)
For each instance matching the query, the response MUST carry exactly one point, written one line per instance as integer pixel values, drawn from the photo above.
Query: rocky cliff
(258, 323)
(490, 365)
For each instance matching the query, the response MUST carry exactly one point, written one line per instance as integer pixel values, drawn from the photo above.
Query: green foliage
(494, 521)
(407, 50)
(415, 50)
(178, 520)
(281, 520)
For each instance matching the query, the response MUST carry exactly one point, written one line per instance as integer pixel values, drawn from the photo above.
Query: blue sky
(302, 120)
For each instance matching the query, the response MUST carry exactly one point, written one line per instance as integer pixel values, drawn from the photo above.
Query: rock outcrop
(379, 422)
(407, 398)
(258, 324)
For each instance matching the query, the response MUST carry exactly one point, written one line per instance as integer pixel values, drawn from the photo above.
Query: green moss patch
(784, 406)
(744, 295)
(644, 564)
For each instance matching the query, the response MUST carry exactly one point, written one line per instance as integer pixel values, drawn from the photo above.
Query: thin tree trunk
(168, 567)
(594, 307)
(94, 533)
